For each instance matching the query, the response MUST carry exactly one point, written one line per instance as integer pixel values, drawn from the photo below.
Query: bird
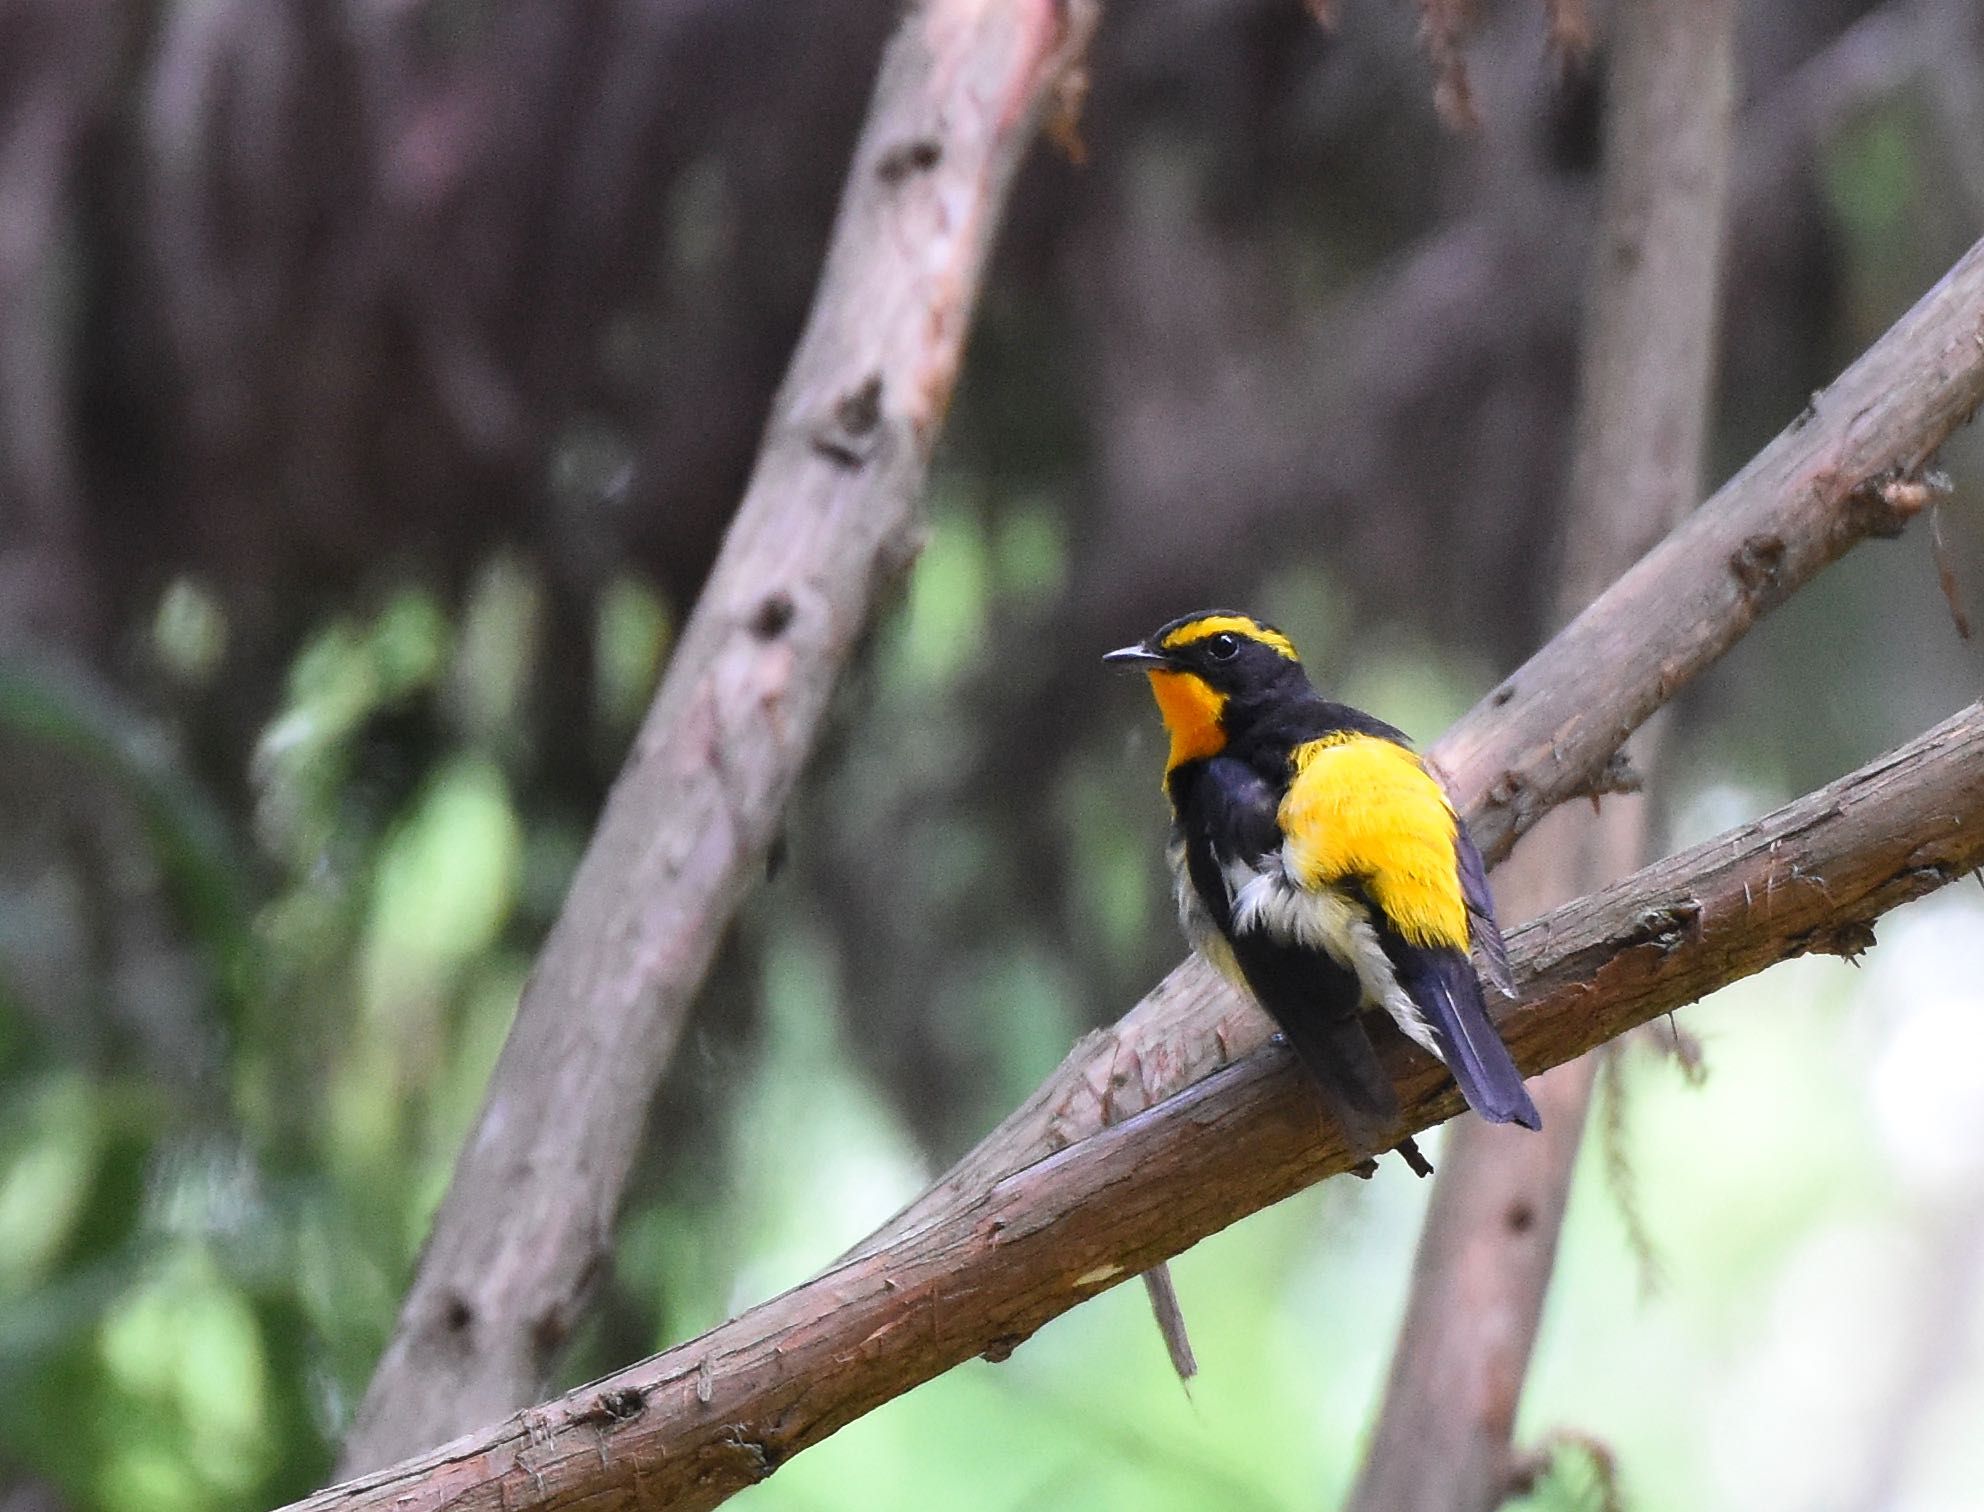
(1320, 867)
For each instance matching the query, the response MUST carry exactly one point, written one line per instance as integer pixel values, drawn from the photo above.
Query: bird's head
(1213, 673)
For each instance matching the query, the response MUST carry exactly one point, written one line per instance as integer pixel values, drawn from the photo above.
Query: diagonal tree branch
(688, 1428)
(1835, 476)
(1443, 1434)
(831, 518)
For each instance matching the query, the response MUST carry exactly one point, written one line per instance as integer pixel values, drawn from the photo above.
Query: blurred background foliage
(375, 382)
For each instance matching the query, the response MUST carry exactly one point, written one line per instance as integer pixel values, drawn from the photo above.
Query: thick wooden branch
(831, 518)
(1827, 482)
(1442, 1438)
(688, 1428)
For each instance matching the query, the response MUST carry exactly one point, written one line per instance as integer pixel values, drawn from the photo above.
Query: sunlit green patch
(189, 633)
(630, 638)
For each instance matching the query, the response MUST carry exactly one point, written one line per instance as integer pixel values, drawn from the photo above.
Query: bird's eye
(1223, 647)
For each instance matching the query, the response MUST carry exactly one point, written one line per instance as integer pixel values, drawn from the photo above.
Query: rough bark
(688, 1428)
(830, 520)
(1840, 472)
(1479, 1282)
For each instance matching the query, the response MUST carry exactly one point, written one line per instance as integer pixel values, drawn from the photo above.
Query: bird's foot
(1409, 1151)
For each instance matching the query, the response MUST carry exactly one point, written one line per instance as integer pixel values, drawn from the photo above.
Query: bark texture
(1840, 472)
(829, 522)
(688, 1428)
(1479, 1282)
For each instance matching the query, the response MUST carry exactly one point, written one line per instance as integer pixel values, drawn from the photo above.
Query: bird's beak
(1138, 658)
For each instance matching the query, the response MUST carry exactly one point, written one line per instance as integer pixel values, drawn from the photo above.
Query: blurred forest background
(376, 379)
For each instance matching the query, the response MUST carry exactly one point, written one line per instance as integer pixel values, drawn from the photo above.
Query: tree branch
(831, 518)
(1443, 1434)
(688, 1428)
(1824, 484)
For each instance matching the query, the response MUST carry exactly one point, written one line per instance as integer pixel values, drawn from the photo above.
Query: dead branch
(1546, 731)
(1479, 1279)
(688, 1428)
(830, 520)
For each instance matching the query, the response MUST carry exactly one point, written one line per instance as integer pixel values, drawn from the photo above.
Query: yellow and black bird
(1320, 866)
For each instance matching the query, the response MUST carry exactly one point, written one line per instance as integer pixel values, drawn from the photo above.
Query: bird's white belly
(1333, 921)
(1201, 933)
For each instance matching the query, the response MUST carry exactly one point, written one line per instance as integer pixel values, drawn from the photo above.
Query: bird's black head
(1213, 673)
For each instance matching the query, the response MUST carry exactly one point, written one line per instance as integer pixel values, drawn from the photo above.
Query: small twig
(1680, 1046)
(1163, 1293)
(1946, 572)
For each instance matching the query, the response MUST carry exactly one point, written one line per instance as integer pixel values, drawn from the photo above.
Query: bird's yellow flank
(1365, 809)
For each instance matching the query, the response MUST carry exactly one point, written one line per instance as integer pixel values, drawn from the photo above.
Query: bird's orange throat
(1191, 708)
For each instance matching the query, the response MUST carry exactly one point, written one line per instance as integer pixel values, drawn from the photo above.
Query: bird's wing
(1487, 934)
(1229, 833)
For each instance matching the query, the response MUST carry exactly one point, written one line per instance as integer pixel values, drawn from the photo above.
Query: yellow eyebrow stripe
(1235, 624)
(1365, 809)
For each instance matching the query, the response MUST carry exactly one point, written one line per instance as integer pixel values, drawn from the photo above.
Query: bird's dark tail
(1443, 984)
(1346, 1071)
(1315, 1003)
